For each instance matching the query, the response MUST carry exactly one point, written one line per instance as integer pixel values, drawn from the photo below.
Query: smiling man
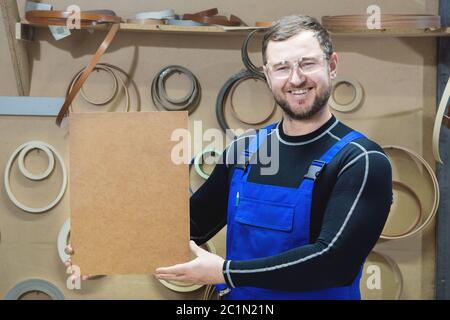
(305, 231)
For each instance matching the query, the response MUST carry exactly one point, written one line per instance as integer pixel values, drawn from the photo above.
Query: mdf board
(129, 201)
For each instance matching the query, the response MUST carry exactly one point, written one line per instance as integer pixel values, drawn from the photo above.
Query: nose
(297, 77)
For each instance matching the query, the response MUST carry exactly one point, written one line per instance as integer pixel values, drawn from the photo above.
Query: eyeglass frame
(296, 64)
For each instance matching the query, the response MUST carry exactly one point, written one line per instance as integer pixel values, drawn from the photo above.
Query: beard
(319, 103)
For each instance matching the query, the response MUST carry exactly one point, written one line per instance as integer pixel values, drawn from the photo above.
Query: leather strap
(204, 13)
(110, 69)
(59, 18)
(210, 17)
(436, 192)
(263, 24)
(388, 21)
(87, 71)
(441, 119)
(88, 18)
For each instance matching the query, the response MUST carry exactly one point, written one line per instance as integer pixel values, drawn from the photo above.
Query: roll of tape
(117, 80)
(392, 265)
(34, 285)
(357, 99)
(28, 146)
(233, 108)
(400, 185)
(183, 286)
(436, 193)
(198, 161)
(63, 236)
(163, 14)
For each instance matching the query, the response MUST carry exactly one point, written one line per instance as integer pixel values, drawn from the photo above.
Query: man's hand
(205, 269)
(69, 250)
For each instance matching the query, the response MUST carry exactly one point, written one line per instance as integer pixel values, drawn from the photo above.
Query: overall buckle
(315, 169)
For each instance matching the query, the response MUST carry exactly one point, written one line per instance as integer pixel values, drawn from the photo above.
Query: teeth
(303, 91)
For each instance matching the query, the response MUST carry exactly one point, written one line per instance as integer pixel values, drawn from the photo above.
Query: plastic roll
(357, 99)
(27, 146)
(63, 236)
(163, 14)
(34, 285)
(184, 286)
(198, 161)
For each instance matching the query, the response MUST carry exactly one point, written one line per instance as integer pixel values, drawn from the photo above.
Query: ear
(269, 83)
(333, 65)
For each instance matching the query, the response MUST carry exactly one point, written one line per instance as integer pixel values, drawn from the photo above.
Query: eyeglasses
(307, 65)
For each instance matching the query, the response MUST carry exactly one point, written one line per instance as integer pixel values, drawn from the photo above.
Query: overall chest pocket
(262, 214)
(262, 229)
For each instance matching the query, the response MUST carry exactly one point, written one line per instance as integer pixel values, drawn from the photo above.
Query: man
(304, 232)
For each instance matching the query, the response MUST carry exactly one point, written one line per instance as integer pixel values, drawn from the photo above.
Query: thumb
(195, 249)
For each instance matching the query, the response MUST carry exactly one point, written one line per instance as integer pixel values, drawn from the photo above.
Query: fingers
(69, 250)
(176, 269)
(172, 277)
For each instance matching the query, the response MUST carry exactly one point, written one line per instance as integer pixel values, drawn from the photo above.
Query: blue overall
(265, 220)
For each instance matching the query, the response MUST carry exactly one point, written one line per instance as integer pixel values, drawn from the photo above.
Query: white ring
(184, 286)
(63, 235)
(24, 170)
(357, 99)
(8, 172)
(164, 14)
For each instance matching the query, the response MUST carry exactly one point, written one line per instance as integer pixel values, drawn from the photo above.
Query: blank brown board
(129, 201)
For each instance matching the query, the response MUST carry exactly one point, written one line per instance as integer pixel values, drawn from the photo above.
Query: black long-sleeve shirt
(350, 205)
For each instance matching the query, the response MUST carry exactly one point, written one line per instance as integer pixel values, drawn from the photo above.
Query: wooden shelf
(220, 30)
(441, 32)
(160, 28)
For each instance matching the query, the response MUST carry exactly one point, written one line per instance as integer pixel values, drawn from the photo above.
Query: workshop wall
(398, 76)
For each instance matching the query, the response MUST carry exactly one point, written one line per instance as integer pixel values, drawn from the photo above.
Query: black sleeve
(208, 205)
(353, 221)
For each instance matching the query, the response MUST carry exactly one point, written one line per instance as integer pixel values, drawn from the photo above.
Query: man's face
(301, 96)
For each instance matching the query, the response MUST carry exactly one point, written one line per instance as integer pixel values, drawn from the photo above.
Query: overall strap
(255, 144)
(317, 165)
